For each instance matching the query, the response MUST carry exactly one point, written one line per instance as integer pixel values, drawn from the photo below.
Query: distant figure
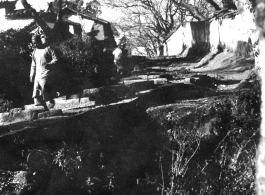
(42, 72)
(119, 58)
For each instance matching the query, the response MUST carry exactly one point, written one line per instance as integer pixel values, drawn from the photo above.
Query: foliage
(68, 159)
(6, 178)
(78, 59)
(224, 165)
(14, 42)
(77, 165)
(186, 163)
(86, 59)
(235, 153)
(15, 65)
(92, 7)
(5, 105)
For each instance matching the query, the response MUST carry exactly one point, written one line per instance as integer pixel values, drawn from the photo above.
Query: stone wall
(235, 34)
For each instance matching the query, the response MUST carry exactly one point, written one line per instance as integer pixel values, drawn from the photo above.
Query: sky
(107, 14)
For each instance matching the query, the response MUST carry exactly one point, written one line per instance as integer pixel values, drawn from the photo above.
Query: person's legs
(46, 94)
(37, 94)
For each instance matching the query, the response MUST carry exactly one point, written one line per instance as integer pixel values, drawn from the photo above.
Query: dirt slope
(227, 65)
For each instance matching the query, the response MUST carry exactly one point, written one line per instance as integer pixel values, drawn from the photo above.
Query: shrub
(15, 65)
(222, 165)
(86, 59)
(78, 59)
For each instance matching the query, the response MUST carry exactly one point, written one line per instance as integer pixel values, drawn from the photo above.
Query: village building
(73, 22)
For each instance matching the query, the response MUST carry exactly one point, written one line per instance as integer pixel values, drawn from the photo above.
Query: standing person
(42, 72)
(119, 60)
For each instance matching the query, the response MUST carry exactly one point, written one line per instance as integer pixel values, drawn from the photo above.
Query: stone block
(189, 114)
(74, 96)
(148, 77)
(160, 81)
(137, 85)
(33, 107)
(85, 102)
(87, 92)
(19, 116)
(50, 113)
(191, 80)
(73, 103)
(94, 94)
(64, 104)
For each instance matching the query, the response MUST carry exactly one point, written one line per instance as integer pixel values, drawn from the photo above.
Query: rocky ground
(101, 115)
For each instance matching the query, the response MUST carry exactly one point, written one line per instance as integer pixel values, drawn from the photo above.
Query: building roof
(6, 3)
(20, 14)
(84, 15)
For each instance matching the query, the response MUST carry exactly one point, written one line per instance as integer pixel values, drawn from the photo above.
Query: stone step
(148, 77)
(123, 88)
(92, 93)
(134, 86)
(160, 81)
(137, 83)
(50, 113)
(189, 80)
(7, 118)
(65, 104)
(89, 97)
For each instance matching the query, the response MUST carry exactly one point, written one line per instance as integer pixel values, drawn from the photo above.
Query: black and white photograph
(132, 97)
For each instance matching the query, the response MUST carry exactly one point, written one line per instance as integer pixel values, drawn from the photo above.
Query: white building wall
(226, 32)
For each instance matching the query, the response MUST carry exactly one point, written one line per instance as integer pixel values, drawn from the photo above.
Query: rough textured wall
(260, 164)
(234, 34)
(238, 30)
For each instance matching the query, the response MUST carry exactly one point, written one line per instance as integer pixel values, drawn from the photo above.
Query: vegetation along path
(151, 132)
(178, 123)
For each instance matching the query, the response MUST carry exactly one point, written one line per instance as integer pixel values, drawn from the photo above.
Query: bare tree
(147, 22)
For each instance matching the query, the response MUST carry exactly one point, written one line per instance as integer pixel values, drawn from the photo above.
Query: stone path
(140, 83)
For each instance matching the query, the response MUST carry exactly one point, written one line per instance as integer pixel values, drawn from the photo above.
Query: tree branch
(215, 5)
(192, 9)
(36, 17)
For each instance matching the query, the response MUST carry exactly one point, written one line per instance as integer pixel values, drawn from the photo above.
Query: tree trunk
(60, 16)
(161, 50)
(215, 5)
(192, 9)
(36, 17)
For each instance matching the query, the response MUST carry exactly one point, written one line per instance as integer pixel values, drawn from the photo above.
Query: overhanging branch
(36, 17)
